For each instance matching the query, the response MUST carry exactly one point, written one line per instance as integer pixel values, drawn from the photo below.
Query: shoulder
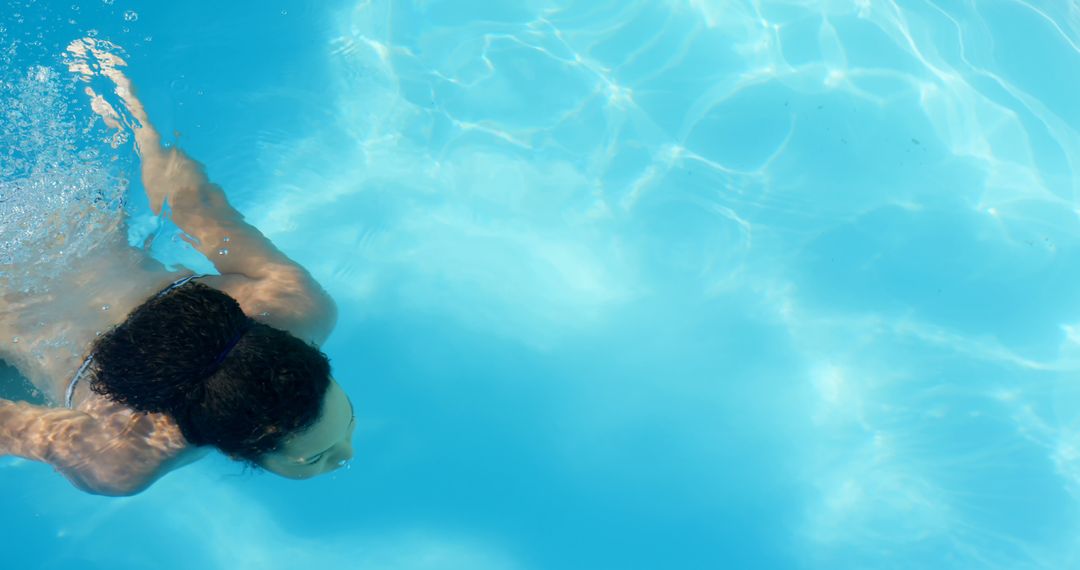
(102, 447)
(129, 450)
(286, 297)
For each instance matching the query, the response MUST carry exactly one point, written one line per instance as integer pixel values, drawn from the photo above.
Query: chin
(295, 476)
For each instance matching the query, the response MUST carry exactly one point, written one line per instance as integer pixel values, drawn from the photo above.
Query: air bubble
(131, 16)
(15, 339)
(92, 33)
(108, 2)
(284, 12)
(105, 307)
(223, 251)
(118, 138)
(225, 239)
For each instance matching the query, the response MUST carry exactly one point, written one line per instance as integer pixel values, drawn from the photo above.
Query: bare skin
(104, 447)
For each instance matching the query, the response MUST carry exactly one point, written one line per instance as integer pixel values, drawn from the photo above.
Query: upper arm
(197, 205)
(40, 433)
(286, 297)
(111, 454)
(200, 208)
(216, 228)
(268, 284)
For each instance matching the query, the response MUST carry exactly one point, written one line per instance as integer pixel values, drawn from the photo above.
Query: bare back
(49, 330)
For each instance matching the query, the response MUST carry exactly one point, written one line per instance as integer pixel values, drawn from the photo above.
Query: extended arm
(255, 272)
(198, 206)
(268, 284)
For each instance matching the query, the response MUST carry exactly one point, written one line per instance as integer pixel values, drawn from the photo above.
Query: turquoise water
(690, 284)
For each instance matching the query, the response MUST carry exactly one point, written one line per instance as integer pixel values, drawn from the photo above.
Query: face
(323, 447)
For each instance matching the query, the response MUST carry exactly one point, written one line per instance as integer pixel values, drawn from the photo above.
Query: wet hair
(172, 355)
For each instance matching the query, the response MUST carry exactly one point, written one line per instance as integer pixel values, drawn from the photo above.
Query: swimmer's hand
(87, 58)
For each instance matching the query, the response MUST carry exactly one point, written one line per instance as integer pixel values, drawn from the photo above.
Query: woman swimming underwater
(180, 363)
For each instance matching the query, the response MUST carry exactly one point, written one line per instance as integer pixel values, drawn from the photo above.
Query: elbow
(315, 317)
(122, 489)
(113, 488)
(328, 313)
(112, 483)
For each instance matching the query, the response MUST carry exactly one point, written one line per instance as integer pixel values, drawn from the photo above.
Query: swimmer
(165, 367)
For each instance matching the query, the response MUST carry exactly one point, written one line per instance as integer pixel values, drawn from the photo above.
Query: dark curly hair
(165, 358)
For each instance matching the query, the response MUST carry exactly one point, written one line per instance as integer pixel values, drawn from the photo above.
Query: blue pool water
(686, 284)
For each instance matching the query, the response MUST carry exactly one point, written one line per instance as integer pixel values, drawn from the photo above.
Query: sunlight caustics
(671, 283)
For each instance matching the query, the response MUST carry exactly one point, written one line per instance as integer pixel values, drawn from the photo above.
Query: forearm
(253, 270)
(170, 176)
(198, 206)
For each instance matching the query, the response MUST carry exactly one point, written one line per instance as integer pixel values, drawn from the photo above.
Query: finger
(78, 64)
(104, 109)
(126, 91)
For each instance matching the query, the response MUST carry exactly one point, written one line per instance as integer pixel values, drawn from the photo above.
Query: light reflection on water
(768, 284)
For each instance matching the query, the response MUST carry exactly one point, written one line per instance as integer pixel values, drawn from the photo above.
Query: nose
(343, 454)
